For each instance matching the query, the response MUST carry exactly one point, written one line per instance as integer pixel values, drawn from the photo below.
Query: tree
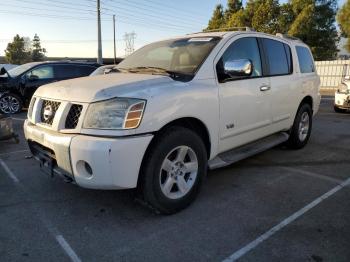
(217, 20)
(315, 25)
(15, 52)
(38, 53)
(233, 6)
(343, 19)
(265, 18)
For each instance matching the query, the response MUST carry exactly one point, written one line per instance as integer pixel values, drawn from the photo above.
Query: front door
(245, 110)
(39, 76)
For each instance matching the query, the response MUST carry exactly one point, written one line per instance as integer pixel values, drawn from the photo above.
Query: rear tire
(10, 104)
(301, 129)
(173, 170)
(339, 110)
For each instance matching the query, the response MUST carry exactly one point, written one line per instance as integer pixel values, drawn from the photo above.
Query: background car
(19, 84)
(342, 96)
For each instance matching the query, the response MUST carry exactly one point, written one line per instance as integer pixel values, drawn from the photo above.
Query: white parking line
(53, 230)
(9, 172)
(18, 119)
(312, 174)
(66, 247)
(249, 247)
(14, 152)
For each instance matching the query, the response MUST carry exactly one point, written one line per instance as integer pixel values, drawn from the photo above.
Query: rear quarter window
(306, 62)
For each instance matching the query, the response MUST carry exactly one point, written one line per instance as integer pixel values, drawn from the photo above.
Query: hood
(102, 87)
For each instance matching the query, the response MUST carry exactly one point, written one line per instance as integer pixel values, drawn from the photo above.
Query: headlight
(118, 113)
(342, 88)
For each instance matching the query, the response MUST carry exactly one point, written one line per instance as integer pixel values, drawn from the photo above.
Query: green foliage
(15, 52)
(265, 17)
(217, 20)
(343, 18)
(233, 6)
(38, 53)
(19, 52)
(313, 21)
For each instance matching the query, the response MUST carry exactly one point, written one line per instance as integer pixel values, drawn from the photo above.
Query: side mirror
(238, 68)
(33, 78)
(3, 71)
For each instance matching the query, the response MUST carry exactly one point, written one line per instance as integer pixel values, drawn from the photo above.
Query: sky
(68, 28)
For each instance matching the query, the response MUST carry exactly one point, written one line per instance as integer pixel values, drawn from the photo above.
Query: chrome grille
(73, 116)
(48, 111)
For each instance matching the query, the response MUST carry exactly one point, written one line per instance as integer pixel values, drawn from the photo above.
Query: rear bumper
(92, 162)
(342, 100)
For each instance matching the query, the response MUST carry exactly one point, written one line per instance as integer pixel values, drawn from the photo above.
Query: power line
(155, 12)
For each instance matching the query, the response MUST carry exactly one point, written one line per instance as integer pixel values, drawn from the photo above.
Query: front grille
(73, 116)
(48, 111)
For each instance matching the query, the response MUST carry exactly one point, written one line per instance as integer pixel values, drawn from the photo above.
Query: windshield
(183, 56)
(14, 72)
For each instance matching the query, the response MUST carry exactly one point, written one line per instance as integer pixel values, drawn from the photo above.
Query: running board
(237, 154)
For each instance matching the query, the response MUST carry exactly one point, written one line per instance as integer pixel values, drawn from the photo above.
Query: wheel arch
(307, 100)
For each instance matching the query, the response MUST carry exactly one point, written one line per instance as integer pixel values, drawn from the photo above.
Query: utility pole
(115, 49)
(99, 50)
(129, 39)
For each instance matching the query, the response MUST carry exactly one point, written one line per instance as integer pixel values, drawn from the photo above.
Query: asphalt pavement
(280, 205)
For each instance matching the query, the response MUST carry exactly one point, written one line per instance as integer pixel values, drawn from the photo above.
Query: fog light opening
(88, 168)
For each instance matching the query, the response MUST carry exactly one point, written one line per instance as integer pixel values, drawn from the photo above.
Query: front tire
(339, 110)
(301, 129)
(10, 104)
(173, 170)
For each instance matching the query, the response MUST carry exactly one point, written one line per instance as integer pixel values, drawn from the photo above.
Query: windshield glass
(183, 56)
(20, 69)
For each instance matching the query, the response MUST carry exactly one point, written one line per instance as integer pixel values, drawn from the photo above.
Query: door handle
(264, 88)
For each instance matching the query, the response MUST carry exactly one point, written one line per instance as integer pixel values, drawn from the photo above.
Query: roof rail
(285, 36)
(226, 29)
(229, 29)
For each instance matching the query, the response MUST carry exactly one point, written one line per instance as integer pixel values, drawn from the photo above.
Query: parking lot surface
(280, 205)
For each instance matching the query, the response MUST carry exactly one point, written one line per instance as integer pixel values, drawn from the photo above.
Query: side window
(65, 71)
(244, 48)
(84, 70)
(276, 57)
(289, 57)
(42, 72)
(306, 62)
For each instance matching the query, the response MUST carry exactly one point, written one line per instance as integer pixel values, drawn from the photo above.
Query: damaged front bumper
(90, 161)
(342, 100)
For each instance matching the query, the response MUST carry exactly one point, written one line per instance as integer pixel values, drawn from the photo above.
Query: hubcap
(178, 172)
(9, 104)
(304, 126)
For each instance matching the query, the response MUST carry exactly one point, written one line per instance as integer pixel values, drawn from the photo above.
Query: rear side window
(278, 57)
(73, 71)
(306, 62)
(84, 70)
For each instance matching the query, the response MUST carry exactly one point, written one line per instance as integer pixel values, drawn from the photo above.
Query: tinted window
(85, 70)
(73, 71)
(42, 72)
(305, 60)
(244, 48)
(289, 57)
(276, 57)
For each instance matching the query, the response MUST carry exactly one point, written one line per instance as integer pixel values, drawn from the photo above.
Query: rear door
(244, 105)
(282, 82)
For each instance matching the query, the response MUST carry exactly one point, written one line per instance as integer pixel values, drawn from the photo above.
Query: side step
(237, 154)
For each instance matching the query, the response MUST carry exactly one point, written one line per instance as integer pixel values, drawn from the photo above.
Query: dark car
(18, 85)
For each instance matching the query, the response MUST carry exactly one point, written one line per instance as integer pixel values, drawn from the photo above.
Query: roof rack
(227, 29)
(285, 36)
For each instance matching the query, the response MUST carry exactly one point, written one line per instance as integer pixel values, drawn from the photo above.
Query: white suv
(176, 108)
(342, 96)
